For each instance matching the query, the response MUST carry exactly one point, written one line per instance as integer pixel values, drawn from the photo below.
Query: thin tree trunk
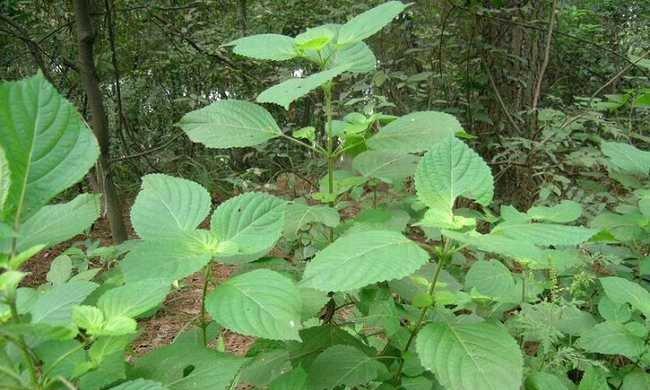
(99, 121)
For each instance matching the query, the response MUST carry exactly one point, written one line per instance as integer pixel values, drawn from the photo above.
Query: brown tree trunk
(99, 121)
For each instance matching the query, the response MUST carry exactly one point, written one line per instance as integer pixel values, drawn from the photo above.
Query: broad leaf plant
(426, 287)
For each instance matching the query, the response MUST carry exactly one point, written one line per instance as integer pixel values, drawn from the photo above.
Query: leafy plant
(423, 286)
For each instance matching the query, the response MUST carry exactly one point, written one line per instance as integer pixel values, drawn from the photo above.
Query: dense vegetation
(437, 195)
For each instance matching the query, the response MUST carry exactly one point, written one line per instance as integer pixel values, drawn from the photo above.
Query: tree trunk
(99, 121)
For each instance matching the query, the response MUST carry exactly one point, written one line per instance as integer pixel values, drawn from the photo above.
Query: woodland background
(520, 75)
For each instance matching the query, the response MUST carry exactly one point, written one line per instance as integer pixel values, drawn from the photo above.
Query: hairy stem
(331, 155)
(423, 312)
(204, 320)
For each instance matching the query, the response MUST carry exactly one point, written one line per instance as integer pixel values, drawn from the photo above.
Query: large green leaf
(621, 290)
(299, 215)
(250, 224)
(387, 166)
(449, 170)
(368, 23)
(187, 366)
(359, 259)
(230, 124)
(274, 47)
(611, 338)
(415, 132)
(46, 143)
(133, 299)
(544, 234)
(492, 278)
(54, 307)
(357, 58)
(166, 259)
(168, 207)
(517, 249)
(566, 211)
(259, 303)
(290, 90)
(343, 365)
(478, 356)
(627, 158)
(56, 223)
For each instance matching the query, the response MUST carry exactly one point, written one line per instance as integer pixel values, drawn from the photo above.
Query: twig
(547, 54)
(499, 99)
(148, 151)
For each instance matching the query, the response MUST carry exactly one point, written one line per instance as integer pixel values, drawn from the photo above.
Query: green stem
(27, 357)
(204, 321)
(331, 156)
(316, 149)
(423, 312)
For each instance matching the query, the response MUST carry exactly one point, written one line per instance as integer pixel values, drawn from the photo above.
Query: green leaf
(491, 278)
(415, 132)
(359, 259)
(274, 47)
(299, 215)
(357, 58)
(230, 124)
(60, 270)
(259, 303)
(250, 223)
(89, 318)
(611, 338)
(169, 207)
(343, 365)
(187, 366)
(118, 326)
(594, 379)
(54, 307)
(317, 339)
(140, 384)
(308, 133)
(566, 211)
(290, 90)
(612, 311)
(164, 259)
(636, 380)
(51, 352)
(387, 166)
(544, 234)
(626, 158)
(295, 379)
(620, 290)
(133, 299)
(368, 23)
(46, 143)
(543, 381)
(56, 223)
(5, 179)
(449, 170)
(517, 249)
(478, 356)
(314, 38)
(9, 281)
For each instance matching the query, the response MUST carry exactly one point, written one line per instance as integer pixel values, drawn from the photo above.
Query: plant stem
(327, 90)
(316, 149)
(331, 156)
(204, 321)
(423, 312)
